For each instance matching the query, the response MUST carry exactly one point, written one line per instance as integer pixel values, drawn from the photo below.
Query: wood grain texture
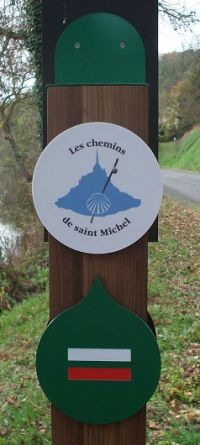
(72, 273)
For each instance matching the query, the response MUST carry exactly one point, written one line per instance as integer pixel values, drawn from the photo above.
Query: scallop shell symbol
(98, 203)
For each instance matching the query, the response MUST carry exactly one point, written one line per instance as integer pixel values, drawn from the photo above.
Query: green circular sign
(97, 362)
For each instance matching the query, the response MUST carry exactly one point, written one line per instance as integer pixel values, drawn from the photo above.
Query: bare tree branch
(6, 118)
(178, 16)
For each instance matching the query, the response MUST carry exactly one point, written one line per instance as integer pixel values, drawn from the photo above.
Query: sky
(170, 40)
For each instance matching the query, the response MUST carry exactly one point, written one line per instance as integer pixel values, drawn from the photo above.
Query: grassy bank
(173, 415)
(182, 154)
(24, 410)
(174, 297)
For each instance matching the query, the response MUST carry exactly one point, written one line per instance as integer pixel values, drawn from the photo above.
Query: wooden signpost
(115, 206)
(142, 15)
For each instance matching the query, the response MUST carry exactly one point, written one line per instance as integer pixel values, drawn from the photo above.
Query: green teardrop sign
(97, 362)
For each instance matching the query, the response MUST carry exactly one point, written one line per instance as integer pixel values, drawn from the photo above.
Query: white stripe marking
(99, 354)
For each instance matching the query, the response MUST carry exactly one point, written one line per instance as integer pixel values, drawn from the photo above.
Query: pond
(9, 238)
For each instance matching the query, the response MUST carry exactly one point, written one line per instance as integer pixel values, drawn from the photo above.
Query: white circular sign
(97, 187)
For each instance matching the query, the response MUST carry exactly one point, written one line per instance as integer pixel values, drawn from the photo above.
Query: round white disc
(97, 187)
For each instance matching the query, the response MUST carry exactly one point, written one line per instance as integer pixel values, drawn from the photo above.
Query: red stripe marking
(110, 374)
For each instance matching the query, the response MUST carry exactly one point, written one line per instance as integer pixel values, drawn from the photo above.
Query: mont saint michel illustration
(96, 196)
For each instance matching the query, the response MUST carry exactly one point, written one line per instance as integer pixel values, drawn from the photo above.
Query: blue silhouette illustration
(95, 195)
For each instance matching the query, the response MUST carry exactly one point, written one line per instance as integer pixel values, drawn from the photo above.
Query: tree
(16, 74)
(179, 93)
(20, 144)
(188, 98)
(178, 16)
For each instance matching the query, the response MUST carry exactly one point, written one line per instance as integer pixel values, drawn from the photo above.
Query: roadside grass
(173, 414)
(183, 154)
(25, 414)
(174, 291)
(167, 152)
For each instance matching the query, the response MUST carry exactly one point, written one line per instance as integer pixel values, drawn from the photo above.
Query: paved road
(182, 184)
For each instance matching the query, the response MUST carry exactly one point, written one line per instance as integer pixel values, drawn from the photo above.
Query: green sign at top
(100, 48)
(97, 362)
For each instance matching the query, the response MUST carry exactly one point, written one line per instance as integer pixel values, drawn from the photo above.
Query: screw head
(77, 45)
(122, 45)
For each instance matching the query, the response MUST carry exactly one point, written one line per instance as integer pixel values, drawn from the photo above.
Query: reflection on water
(9, 238)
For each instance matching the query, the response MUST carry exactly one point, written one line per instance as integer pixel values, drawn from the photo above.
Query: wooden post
(72, 273)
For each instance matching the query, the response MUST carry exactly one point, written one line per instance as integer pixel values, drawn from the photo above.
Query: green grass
(183, 154)
(167, 152)
(25, 416)
(174, 290)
